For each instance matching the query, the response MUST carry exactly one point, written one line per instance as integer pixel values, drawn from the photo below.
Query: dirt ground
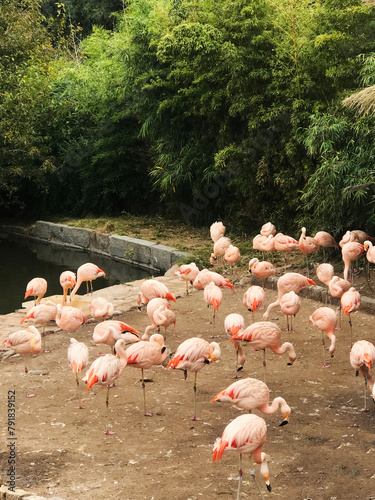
(327, 451)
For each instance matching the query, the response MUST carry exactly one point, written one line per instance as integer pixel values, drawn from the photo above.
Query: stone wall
(138, 252)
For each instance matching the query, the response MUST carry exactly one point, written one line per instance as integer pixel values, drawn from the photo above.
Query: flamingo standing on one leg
(252, 394)
(325, 240)
(78, 356)
(68, 281)
(265, 334)
(110, 331)
(146, 354)
(233, 324)
(232, 255)
(26, 341)
(192, 355)
(307, 245)
(101, 308)
(213, 296)
(36, 288)
(42, 314)
(290, 304)
(151, 289)
(325, 273)
(350, 302)
(253, 298)
(351, 251)
(337, 287)
(287, 283)
(160, 314)
(325, 319)
(268, 229)
(187, 272)
(87, 272)
(217, 230)
(69, 318)
(284, 243)
(262, 270)
(220, 247)
(246, 434)
(362, 357)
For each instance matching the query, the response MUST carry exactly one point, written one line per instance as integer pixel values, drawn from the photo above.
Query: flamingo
(325, 319)
(325, 240)
(257, 240)
(233, 324)
(337, 287)
(150, 289)
(246, 434)
(87, 272)
(267, 245)
(101, 308)
(232, 254)
(370, 251)
(253, 298)
(220, 247)
(192, 355)
(217, 230)
(351, 251)
(287, 283)
(290, 304)
(213, 296)
(67, 280)
(37, 288)
(350, 302)
(205, 276)
(41, 315)
(262, 270)
(253, 394)
(284, 243)
(307, 245)
(187, 272)
(265, 334)
(349, 236)
(160, 314)
(325, 273)
(110, 331)
(78, 356)
(268, 229)
(146, 354)
(69, 318)
(362, 357)
(362, 236)
(106, 369)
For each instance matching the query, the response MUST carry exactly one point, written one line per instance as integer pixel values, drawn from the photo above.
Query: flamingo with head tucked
(160, 314)
(188, 273)
(78, 356)
(351, 251)
(307, 245)
(325, 319)
(101, 308)
(262, 270)
(41, 315)
(220, 247)
(253, 298)
(325, 240)
(110, 331)
(233, 324)
(205, 277)
(362, 357)
(268, 229)
(217, 230)
(350, 302)
(290, 304)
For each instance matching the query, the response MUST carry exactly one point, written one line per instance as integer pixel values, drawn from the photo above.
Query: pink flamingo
(351, 251)
(287, 283)
(325, 240)
(257, 240)
(146, 354)
(26, 341)
(37, 288)
(101, 308)
(337, 287)
(350, 302)
(370, 251)
(268, 229)
(290, 304)
(217, 230)
(69, 318)
(362, 236)
(325, 273)
(233, 324)
(205, 277)
(67, 281)
(106, 369)
(362, 357)
(160, 314)
(232, 254)
(87, 272)
(213, 296)
(192, 355)
(349, 236)
(325, 319)
(253, 298)
(262, 270)
(150, 289)
(78, 356)
(307, 245)
(187, 272)
(220, 247)
(265, 334)
(267, 245)
(110, 331)
(246, 434)
(284, 243)
(253, 394)
(42, 314)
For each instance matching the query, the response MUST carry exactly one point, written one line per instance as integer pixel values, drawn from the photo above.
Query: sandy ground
(327, 451)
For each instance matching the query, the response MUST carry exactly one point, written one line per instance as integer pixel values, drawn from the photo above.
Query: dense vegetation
(196, 109)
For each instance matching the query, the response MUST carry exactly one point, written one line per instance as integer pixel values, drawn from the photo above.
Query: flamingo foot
(28, 395)
(326, 366)
(110, 433)
(148, 414)
(80, 407)
(196, 419)
(190, 312)
(365, 409)
(45, 351)
(101, 354)
(236, 376)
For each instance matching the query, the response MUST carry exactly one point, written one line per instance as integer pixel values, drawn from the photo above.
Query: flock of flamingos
(246, 433)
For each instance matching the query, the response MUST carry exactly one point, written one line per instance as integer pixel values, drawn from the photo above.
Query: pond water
(21, 260)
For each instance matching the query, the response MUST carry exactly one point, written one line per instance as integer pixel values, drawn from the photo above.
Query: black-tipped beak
(332, 355)
(250, 271)
(268, 487)
(163, 349)
(139, 308)
(284, 422)
(207, 361)
(289, 364)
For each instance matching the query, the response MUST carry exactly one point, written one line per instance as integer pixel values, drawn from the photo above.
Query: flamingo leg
(264, 365)
(237, 367)
(324, 353)
(144, 397)
(240, 473)
(195, 418)
(351, 331)
(252, 473)
(365, 407)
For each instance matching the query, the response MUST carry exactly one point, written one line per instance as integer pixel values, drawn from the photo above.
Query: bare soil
(327, 451)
